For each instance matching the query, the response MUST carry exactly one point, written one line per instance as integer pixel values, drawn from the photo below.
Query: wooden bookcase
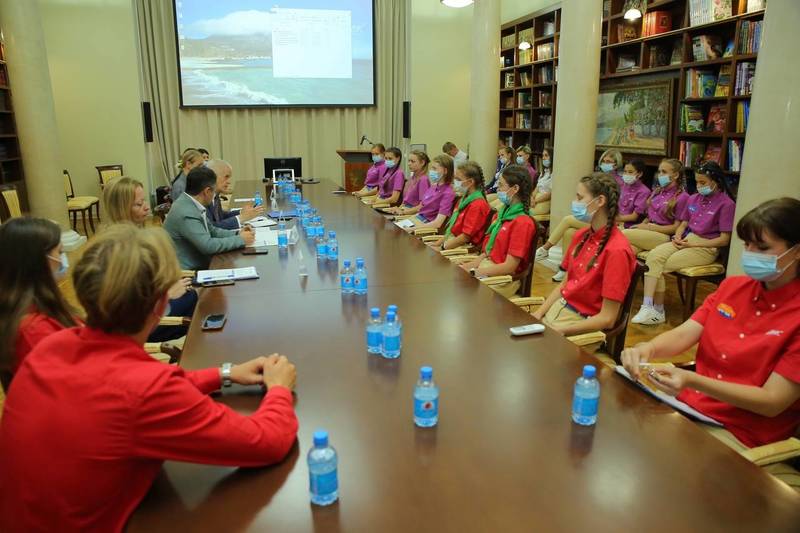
(11, 172)
(528, 79)
(671, 55)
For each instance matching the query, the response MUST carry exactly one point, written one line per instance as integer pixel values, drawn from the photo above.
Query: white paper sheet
(261, 222)
(265, 237)
(243, 200)
(405, 223)
(220, 274)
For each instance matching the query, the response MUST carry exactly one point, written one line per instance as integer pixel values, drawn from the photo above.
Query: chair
(106, 172)
(9, 202)
(544, 222)
(80, 204)
(525, 277)
(163, 351)
(421, 232)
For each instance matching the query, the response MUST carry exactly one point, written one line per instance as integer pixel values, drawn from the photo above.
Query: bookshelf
(709, 48)
(528, 79)
(11, 172)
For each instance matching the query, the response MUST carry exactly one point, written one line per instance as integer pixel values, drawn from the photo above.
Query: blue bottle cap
(392, 308)
(589, 371)
(426, 373)
(332, 234)
(390, 316)
(375, 312)
(359, 262)
(346, 263)
(320, 438)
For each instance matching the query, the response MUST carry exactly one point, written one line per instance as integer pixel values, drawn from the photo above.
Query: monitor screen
(300, 53)
(282, 168)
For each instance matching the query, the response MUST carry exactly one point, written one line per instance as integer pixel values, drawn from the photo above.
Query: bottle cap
(392, 309)
(359, 262)
(390, 316)
(589, 371)
(332, 234)
(375, 312)
(346, 263)
(426, 373)
(320, 438)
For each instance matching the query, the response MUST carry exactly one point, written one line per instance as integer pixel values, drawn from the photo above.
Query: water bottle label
(282, 240)
(322, 249)
(374, 338)
(347, 282)
(324, 483)
(585, 406)
(391, 344)
(360, 283)
(426, 408)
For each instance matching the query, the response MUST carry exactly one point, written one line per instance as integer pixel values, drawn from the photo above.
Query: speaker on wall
(147, 121)
(406, 120)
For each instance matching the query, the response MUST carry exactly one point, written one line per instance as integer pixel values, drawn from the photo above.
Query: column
(771, 157)
(485, 98)
(34, 112)
(576, 103)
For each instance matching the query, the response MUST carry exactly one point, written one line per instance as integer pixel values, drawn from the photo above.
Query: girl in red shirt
(31, 305)
(467, 224)
(508, 241)
(599, 264)
(747, 335)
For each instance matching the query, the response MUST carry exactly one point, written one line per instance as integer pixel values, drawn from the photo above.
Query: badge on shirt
(726, 311)
(692, 208)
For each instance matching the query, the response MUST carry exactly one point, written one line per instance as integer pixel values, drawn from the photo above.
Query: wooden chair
(422, 232)
(163, 351)
(544, 222)
(525, 277)
(80, 204)
(9, 202)
(106, 172)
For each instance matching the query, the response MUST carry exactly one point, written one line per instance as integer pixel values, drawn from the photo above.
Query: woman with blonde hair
(610, 162)
(102, 415)
(190, 159)
(437, 202)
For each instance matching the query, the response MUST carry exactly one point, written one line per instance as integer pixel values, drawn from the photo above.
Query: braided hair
(680, 187)
(601, 184)
(518, 175)
(472, 171)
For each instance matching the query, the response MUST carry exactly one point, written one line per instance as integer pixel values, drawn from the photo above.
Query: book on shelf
(508, 80)
(548, 28)
(545, 99)
(728, 52)
(735, 151)
(723, 81)
(524, 99)
(544, 74)
(524, 121)
(626, 32)
(606, 8)
(745, 75)
(756, 5)
(676, 58)
(659, 55)
(544, 51)
(508, 122)
(692, 120)
(655, 22)
(525, 79)
(544, 122)
(690, 153)
(508, 41)
(508, 61)
(705, 47)
(750, 36)
(507, 102)
(713, 153)
(717, 118)
(700, 83)
(525, 56)
(526, 35)
(555, 78)
(742, 115)
(706, 11)
(626, 63)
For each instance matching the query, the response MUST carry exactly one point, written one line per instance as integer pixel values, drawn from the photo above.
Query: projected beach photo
(255, 52)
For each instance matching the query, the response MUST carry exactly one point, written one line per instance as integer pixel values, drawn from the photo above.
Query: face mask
(503, 197)
(664, 180)
(580, 211)
(705, 190)
(434, 176)
(376, 158)
(63, 261)
(459, 187)
(606, 167)
(520, 160)
(628, 178)
(546, 163)
(390, 163)
(763, 267)
(503, 160)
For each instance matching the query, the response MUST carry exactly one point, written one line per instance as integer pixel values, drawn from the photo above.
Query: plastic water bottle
(283, 238)
(346, 278)
(360, 277)
(426, 399)
(587, 396)
(257, 200)
(374, 331)
(393, 309)
(333, 246)
(391, 337)
(320, 228)
(315, 227)
(323, 477)
(322, 247)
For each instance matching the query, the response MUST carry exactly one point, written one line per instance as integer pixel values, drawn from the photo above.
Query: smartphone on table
(214, 322)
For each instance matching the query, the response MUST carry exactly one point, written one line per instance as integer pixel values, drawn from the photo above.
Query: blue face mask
(433, 176)
(705, 190)
(63, 262)
(629, 179)
(376, 158)
(503, 197)
(520, 160)
(606, 167)
(580, 211)
(763, 267)
(459, 187)
(546, 163)
(663, 180)
(390, 163)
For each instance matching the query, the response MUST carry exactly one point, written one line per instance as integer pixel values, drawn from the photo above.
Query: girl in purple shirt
(418, 184)
(524, 154)
(705, 226)
(390, 186)
(633, 194)
(437, 202)
(374, 173)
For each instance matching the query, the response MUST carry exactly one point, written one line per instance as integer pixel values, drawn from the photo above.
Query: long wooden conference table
(505, 456)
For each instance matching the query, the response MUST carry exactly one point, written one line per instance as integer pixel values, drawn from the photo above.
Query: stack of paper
(265, 237)
(223, 274)
(406, 223)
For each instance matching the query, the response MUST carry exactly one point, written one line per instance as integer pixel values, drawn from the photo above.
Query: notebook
(222, 274)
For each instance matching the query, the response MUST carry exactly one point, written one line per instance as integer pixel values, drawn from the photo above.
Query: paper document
(221, 274)
(670, 400)
(261, 222)
(406, 223)
(244, 200)
(265, 237)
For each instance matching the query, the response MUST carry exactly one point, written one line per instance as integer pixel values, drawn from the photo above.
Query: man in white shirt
(452, 150)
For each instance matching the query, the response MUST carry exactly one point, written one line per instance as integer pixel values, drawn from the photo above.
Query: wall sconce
(524, 45)
(634, 9)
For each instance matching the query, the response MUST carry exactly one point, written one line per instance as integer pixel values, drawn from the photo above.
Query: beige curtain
(245, 136)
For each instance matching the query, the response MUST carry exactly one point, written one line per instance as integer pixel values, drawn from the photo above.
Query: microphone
(364, 138)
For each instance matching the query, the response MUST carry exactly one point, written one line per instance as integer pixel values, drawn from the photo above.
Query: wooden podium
(356, 165)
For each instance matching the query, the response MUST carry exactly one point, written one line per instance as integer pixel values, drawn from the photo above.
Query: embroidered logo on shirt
(692, 208)
(774, 332)
(726, 311)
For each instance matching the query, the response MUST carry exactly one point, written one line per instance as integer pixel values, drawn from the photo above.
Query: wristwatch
(225, 372)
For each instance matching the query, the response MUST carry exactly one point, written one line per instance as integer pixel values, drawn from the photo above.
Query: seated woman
(31, 305)
(524, 154)
(633, 194)
(91, 416)
(467, 224)
(508, 240)
(437, 202)
(668, 198)
(190, 159)
(124, 201)
(599, 264)
(505, 157)
(417, 184)
(374, 173)
(705, 227)
(540, 198)
(610, 162)
(393, 180)
(747, 335)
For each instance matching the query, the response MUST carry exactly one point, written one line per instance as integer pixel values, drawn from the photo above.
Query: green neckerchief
(508, 213)
(465, 201)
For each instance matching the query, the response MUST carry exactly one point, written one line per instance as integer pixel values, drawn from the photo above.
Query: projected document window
(312, 43)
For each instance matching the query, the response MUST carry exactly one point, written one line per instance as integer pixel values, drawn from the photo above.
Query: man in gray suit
(196, 240)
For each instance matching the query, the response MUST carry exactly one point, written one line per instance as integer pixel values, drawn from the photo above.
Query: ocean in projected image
(251, 82)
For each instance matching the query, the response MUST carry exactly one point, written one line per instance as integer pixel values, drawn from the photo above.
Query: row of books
(544, 74)
(526, 35)
(703, 83)
(692, 153)
(735, 150)
(524, 99)
(508, 41)
(660, 55)
(706, 47)
(742, 115)
(745, 74)
(655, 22)
(525, 56)
(544, 51)
(525, 79)
(548, 28)
(693, 120)
(705, 11)
(750, 36)
(544, 122)
(524, 121)
(627, 63)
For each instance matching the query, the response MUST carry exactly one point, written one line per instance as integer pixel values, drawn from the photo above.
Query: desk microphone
(364, 138)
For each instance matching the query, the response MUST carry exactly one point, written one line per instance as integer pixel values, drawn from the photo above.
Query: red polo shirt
(516, 238)
(32, 329)
(472, 221)
(90, 419)
(608, 278)
(749, 333)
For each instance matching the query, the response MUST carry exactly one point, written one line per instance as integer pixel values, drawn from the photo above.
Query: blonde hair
(118, 197)
(613, 153)
(447, 162)
(189, 156)
(122, 274)
(525, 149)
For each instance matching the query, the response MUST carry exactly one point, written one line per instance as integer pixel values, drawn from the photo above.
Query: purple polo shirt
(533, 174)
(392, 180)
(633, 199)
(708, 216)
(617, 176)
(657, 210)
(416, 190)
(374, 174)
(438, 200)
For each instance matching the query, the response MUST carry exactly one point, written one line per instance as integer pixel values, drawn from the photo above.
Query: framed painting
(635, 119)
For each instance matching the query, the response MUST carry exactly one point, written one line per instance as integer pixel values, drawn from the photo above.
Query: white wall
(514, 9)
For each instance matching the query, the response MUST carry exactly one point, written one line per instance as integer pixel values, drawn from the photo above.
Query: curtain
(244, 137)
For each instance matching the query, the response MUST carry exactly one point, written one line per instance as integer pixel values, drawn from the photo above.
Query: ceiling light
(457, 3)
